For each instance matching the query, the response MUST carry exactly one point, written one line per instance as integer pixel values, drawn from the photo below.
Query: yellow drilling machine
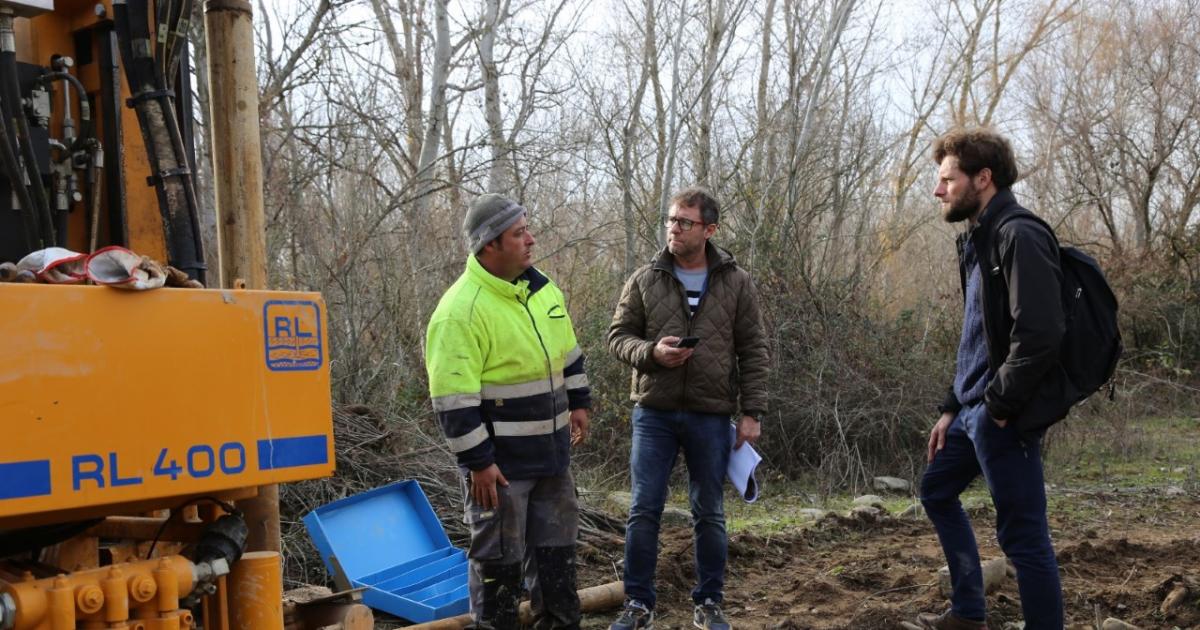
(146, 420)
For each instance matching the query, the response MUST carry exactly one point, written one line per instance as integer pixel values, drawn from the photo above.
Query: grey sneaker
(708, 616)
(635, 615)
(947, 621)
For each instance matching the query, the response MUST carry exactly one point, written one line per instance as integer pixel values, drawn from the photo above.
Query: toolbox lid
(369, 532)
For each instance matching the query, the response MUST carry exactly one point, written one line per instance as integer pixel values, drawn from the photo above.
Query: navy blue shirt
(972, 374)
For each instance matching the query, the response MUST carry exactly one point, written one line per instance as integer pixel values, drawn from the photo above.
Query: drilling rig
(144, 432)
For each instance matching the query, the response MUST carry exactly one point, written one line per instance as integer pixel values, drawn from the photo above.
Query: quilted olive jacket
(727, 373)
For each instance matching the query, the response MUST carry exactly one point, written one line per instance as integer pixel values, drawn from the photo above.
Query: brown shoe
(948, 621)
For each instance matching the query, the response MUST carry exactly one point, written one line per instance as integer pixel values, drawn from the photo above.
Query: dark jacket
(727, 372)
(1023, 317)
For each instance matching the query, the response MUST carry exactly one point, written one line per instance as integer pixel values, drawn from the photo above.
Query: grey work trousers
(537, 522)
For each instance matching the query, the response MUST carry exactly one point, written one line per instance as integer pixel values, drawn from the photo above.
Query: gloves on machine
(112, 266)
(55, 265)
(120, 268)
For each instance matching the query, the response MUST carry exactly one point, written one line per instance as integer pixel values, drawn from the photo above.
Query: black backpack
(1091, 345)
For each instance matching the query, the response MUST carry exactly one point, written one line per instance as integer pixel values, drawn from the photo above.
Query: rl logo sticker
(292, 335)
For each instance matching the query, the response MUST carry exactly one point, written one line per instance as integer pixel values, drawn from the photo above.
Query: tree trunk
(499, 178)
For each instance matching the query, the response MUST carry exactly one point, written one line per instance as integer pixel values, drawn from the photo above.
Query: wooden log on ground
(347, 616)
(314, 608)
(591, 599)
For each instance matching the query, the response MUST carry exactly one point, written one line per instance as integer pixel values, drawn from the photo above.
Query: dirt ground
(1120, 551)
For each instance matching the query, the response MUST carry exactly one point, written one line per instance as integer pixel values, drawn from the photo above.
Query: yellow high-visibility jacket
(505, 370)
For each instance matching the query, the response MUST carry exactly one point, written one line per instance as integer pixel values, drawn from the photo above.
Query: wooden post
(238, 188)
(591, 599)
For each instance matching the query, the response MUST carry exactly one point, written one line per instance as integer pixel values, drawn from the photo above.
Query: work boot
(558, 600)
(501, 591)
(708, 616)
(634, 616)
(947, 621)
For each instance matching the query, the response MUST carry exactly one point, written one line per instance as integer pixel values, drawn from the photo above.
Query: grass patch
(1147, 452)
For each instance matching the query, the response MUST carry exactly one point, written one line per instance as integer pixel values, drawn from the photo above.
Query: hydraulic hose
(86, 128)
(84, 141)
(177, 47)
(33, 197)
(164, 143)
(153, 74)
(8, 148)
(41, 202)
(12, 170)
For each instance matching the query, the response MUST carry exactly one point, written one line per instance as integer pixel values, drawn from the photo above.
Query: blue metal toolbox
(390, 541)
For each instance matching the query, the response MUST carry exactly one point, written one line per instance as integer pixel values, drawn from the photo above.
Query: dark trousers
(705, 440)
(1012, 466)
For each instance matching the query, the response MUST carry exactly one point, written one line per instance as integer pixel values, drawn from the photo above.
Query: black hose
(40, 199)
(12, 170)
(178, 44)
(139, 40)
(184, 244)
(12, 93)
(195, 266)
(189, 191)
(86, 128)
(162, 9)
(8, 147)
(121, 24)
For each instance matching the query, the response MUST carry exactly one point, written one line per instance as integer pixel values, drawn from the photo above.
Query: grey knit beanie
(488, 217)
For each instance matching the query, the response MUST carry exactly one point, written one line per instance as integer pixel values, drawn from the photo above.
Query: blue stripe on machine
(24, 479)
(290, 452)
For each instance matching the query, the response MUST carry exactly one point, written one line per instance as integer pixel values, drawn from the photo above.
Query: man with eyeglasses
(689, 325)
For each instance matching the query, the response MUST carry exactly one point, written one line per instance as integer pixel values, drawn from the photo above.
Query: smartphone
(687, 342)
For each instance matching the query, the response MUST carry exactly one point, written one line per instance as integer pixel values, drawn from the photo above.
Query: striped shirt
(693, 284)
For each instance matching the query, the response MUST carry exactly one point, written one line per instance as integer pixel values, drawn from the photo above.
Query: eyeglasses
(684, 224)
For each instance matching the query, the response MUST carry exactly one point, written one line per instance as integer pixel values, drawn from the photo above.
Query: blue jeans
(658, 436)
(1012, 466)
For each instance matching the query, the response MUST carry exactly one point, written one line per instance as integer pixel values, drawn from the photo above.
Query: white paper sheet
(742, 464)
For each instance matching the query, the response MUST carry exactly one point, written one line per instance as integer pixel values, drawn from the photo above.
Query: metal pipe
(60, 65)
(256, 592)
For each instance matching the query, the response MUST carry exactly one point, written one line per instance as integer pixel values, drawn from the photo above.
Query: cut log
(1173, 599)
(347, 616)
(591, 599)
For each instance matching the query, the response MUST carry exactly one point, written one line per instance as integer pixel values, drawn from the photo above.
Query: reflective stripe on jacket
(504, 372)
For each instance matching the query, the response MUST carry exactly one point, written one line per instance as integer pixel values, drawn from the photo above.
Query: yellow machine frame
(123, 410)
(114, 397)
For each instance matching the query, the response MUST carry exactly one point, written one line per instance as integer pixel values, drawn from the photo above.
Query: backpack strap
(1015, 217)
